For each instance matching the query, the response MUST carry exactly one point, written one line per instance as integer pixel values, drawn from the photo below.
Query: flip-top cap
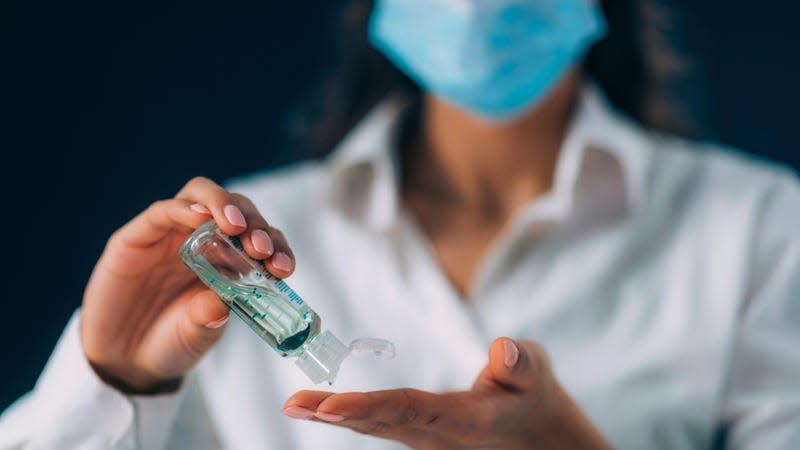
(322, 356)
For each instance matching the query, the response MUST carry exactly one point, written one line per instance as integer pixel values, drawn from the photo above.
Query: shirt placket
(455, 319)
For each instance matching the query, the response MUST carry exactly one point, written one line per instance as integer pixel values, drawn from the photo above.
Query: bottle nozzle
(321, 358)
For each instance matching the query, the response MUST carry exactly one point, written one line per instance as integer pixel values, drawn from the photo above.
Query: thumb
(186, 330)
(204, 319)
(517, 366)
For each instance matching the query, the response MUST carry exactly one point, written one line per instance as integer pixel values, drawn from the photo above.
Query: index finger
(223, 205)
(450, 413)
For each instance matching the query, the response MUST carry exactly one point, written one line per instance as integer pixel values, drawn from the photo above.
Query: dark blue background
(110, 105)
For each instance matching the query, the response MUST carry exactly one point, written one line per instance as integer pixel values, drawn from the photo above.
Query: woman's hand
(516, 403)
(146, 319)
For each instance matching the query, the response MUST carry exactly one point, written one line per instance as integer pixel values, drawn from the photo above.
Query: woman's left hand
(516, 403)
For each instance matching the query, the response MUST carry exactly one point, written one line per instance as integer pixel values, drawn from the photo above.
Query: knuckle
(410, 415)
(115, 240)
(199, 181)
(205, 187)
(158, 204)
(156, 210)
(430, 419)
(410, 412)
(219, 198)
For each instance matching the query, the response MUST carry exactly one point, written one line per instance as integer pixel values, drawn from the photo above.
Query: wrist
(564, 425)
(136, 383)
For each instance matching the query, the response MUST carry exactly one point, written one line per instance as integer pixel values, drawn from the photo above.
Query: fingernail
(282, 261)
(197, 207)
(328, 417)
(511, 353)
(298, 412)
(262, 242)
(218, 323)
(234, 216)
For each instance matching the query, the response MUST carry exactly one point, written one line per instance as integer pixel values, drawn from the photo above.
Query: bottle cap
(372, 347)
(322, 356)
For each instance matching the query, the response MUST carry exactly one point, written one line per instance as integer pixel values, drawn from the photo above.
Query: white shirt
(663, 278)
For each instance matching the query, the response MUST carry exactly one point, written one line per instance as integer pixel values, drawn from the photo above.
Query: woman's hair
(640, 64)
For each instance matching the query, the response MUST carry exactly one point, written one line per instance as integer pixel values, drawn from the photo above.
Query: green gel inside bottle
(267, 304)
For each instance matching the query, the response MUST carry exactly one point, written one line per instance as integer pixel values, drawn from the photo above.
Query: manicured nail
(218, 323)
(197, 207)
(511, 353)
(328, 417)
(282, 261)
(298, 412)
(262, 242)
(234, 216)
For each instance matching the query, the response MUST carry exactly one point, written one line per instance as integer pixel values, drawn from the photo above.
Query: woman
(631, 289)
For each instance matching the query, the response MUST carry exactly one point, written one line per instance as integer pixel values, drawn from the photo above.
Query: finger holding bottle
(262, 241)
(237, 216)
(146, 319)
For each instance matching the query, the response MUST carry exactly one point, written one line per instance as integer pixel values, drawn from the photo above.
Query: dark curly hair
(641, 65)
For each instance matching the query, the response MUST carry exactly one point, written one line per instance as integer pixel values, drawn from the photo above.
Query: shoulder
(724, 179)
(736, 203)
(680, 177)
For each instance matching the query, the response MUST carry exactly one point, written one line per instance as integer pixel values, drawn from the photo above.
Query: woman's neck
(463, 179)
(487, 170)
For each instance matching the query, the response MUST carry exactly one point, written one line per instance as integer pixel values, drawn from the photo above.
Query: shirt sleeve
(762, 407)
(71, 407)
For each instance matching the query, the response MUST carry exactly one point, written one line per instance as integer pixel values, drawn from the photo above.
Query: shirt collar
(603, 163)
(364, 168)
(600, 128)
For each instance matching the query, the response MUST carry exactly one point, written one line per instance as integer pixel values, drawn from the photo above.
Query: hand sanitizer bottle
(267, 304)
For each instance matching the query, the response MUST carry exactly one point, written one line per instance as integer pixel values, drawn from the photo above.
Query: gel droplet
(372, 347)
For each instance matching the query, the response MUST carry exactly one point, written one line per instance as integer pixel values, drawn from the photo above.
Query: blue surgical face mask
(494, 58)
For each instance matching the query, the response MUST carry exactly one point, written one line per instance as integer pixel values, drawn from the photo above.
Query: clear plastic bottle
(267, 304)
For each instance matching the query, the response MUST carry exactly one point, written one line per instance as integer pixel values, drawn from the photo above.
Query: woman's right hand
(146, 318)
